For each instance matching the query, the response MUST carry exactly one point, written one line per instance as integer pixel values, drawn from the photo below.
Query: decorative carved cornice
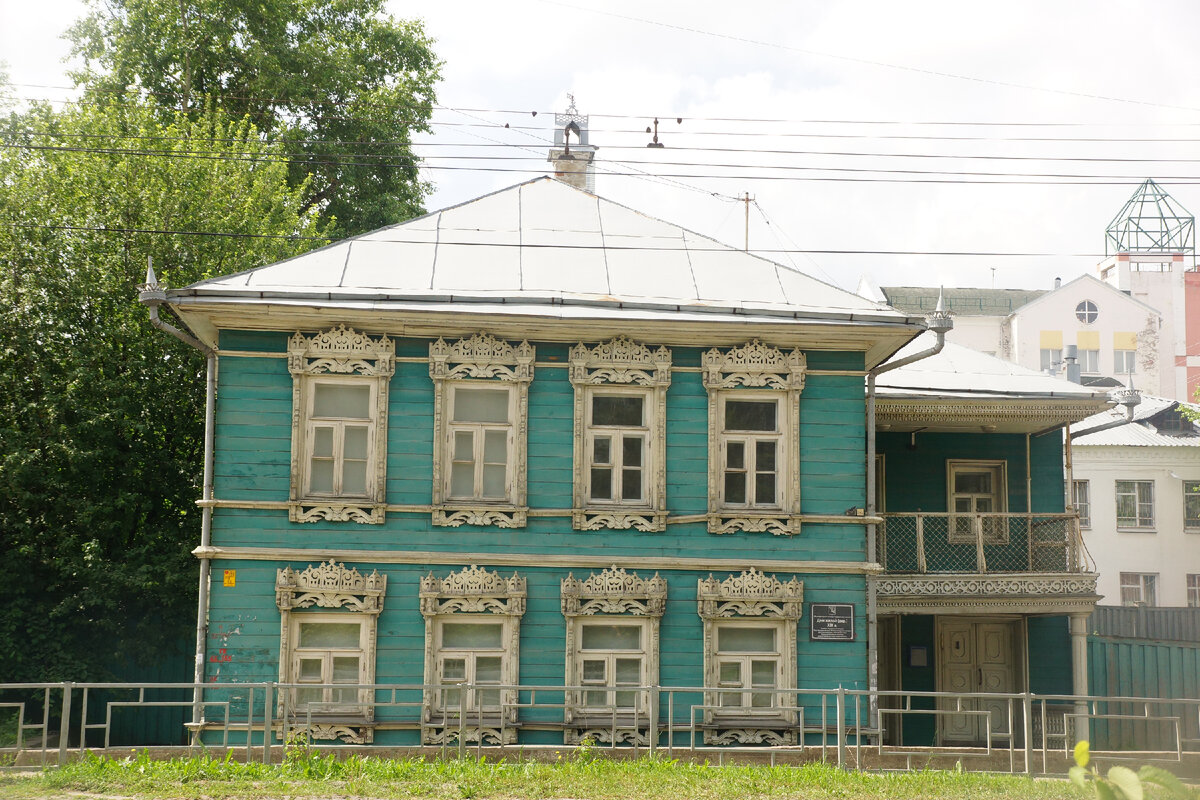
(340, 351)
(301, 511)
(621, 360)
(750, 594)
(976, 586)
(350, 734)
(330, 585)
(585, 520)
(481, 356)
(451, 734)
(614, 591)
(750, 736)
(473, 590)
(753, 523)
(968, 412)
(452, 517)
(754, 365)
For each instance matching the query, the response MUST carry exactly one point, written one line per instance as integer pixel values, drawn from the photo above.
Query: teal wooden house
(535, 457)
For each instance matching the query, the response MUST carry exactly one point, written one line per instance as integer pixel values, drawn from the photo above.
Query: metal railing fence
(980, 543)
(43, 725)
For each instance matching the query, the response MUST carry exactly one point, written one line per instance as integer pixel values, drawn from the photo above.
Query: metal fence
(980, 543)
(48, 724)
(1141, 622)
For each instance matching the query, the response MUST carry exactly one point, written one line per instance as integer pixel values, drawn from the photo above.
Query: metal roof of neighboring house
(1141, 432)
(537, 247)
(959, 371)
(962, 302)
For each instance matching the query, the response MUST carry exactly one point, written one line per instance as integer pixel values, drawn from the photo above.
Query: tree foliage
(343, 84)
(101, 415)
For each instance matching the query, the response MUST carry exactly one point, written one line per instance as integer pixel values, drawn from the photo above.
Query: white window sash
(478, 431)
(749, 441)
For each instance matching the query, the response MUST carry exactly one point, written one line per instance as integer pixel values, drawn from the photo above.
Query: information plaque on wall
(831, 622)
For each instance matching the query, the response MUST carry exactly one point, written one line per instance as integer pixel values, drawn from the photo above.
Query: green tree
(101, 415)
(341, 82)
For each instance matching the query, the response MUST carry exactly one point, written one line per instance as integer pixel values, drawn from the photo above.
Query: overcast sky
(760, 76)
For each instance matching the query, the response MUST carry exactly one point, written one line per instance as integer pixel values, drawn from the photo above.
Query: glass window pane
(629, 672)
(471, 635)
(480, 405)
(454, 669)
(735, 455)
(322, 441)
(345, 696)
(495, 447)
(355, 444)
(750, 415)
(735, 487)
(489, 698)
(764, 456)
(345, 669)
(310, 669)
(973, 482)
(329, 634)
(321, 476)
(602, 450)
(464, 446)
(764, 488)
(487, 669)
(631, 451)
(731, 699)
(617, 409)
(452, 698)
(594, 670)
(493, 480)
(730, 673)
(306, 696)
(612, 637)
(462, 479)
(631, 484)
(762, 673)
(745, 639)
(625, 699)
(342, 400)
(962, 504)
(983, 505)
(602, 483)
(354, 477)
(594, 699)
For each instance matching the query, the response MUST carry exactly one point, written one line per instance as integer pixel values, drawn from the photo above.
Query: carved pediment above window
(754, 365)
(621, 360)
(750, 594)
(473, 590)
(341, 351)
(330, 585)
(614, 591)
(481, 356)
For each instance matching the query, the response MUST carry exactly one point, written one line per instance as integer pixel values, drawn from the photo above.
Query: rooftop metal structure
(1151, 221)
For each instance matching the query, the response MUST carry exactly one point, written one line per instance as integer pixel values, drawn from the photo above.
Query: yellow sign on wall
(230, 577)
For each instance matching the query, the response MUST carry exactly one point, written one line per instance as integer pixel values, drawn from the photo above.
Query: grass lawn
(324, 778)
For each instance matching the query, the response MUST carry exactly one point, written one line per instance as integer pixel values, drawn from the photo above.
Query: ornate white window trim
(753, 598)
(477, 361)
(330, 585)
(354, 357)
(478, 593)
(755, 369)
(611, 595)
(622, 362)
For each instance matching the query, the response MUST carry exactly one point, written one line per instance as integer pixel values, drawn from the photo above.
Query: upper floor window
(1089, 361)
(1138, 589)
(1087, 312)
(1051, 359)
(339, 425)
(1193, 590)
(1191, 505)
(978, 494)
(472, 636)
(481, 401)
(1124, 362)
(620, 412)
(754, 460)
(1135, 504)
(1081, 498)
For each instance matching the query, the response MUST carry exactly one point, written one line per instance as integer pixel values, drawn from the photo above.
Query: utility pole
(746, 200)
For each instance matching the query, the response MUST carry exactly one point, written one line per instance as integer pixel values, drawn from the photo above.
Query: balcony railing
(980, 543)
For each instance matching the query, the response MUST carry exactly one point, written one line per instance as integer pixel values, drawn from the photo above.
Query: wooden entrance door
(975, 656)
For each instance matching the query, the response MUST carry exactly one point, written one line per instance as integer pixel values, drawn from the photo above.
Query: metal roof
(960, 301)
(1141, 432)
(961, 372)
(542, 245)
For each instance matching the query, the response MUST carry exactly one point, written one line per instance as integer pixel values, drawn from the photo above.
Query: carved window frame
(342, 592)
(755, 371)
(621, 366)
(470, 594)
(750, 597)
(339, 355)
(614, 596)
(479, 361)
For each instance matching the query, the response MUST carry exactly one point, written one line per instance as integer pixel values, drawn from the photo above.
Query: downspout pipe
(940, 323)
(152, 295)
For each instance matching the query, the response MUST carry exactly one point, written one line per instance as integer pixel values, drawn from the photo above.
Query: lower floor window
(1138, 589)
(748, 664)
(470, 653)
(329, 651)
(612, 664)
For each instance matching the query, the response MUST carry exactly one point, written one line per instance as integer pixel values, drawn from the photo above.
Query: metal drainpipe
(940, 323)
(152, 295)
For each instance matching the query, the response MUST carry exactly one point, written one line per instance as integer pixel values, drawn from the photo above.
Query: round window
(1087, 311)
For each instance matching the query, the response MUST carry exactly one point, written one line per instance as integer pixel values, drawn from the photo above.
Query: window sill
(336, 509)
(1135, 529)
(641, 518)
(737, 520)
(482, 514)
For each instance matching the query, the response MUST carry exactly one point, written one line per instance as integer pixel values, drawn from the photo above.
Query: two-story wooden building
(541, 439)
